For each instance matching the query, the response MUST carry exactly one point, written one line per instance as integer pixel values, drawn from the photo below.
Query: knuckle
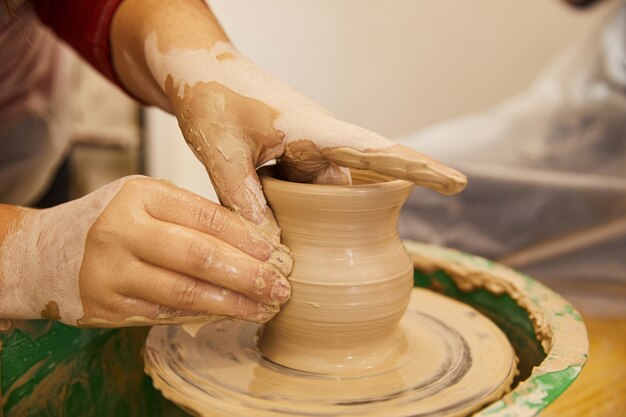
(138, 182)
(103, 232)
(132, 187)
(137, 188)
(114, 229)
(122, 275)
(200, 255)
(186, 293)
(211, 216)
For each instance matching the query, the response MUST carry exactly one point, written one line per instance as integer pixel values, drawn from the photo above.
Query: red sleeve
(85, 25)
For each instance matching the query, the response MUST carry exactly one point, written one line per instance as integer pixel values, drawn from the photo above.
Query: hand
(233, 134)
(235, 117)
(136, 252)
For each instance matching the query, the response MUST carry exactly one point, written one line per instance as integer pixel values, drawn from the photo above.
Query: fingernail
(265, 313)
(281, 290)
(282, 260)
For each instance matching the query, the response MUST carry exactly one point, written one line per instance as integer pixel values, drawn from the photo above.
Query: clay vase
(352, 276)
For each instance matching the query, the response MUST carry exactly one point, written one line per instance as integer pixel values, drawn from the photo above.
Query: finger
(239, 188)
(183, 295)
(347, 145)
(402, 163)
(228, 159)
(204, 257)
(123, 311)
(175, 205)
(303, 162)
(334, 174)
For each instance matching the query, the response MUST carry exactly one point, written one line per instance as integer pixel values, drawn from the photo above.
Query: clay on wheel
(345, 344)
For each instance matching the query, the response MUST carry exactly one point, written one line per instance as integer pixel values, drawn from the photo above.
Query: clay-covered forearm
(236, 116)
(13, 304)
(9, 218)
(175, 23)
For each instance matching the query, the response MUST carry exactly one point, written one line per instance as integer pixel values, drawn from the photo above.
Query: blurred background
(393, 67)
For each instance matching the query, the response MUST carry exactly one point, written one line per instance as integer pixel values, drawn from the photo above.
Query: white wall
(390, 65)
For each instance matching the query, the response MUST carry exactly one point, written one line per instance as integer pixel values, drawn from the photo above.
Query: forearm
(111, 35)
(140, 26)
(9, 219)
(15, 302)
(176, 54)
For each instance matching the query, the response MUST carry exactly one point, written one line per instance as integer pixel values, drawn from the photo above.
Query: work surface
(600, 390)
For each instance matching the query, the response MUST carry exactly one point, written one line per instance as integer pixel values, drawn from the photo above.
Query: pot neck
(337, 215)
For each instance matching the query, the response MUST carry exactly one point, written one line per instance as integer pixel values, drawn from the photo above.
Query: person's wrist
(131, 23)
(142, 31)
(19, 288)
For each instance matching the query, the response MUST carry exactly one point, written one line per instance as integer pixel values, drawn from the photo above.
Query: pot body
(352, 277)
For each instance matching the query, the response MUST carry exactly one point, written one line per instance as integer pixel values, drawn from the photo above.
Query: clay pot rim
(387, 184)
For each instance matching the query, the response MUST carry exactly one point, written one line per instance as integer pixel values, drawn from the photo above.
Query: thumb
(402, 163)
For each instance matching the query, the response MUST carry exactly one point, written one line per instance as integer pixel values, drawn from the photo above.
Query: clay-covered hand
(236, 117)
(138, 251)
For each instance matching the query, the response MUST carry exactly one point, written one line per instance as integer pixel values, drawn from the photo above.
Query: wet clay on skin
(297, 117)
(85, 262)
(26, 242)
(230, 144)
(345, 344)
(51, 311)
(236, 117)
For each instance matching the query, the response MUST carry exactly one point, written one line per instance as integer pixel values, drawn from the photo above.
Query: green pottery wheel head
(547, 333)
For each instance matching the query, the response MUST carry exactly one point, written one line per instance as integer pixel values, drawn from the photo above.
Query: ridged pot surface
(352, 277)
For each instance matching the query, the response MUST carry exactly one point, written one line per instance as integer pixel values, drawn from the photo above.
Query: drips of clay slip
(343, 345)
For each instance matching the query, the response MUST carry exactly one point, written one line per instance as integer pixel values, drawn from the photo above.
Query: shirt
(34, 88)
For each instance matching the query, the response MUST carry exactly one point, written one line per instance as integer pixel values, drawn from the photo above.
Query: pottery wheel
(448, 360)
